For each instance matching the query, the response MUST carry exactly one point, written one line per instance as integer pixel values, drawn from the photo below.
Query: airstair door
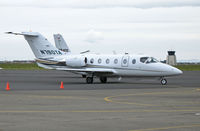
(125, 61)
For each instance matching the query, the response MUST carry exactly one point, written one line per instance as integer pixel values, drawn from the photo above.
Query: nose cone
(176, 71)
(170, 70)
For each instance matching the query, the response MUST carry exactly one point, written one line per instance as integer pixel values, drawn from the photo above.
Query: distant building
(171, 58)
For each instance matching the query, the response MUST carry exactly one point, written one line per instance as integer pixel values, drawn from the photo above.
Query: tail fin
(60, 43)
(40, 46)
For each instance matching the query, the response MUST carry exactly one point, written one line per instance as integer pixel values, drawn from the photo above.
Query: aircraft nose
(176, 71)
(169, 70)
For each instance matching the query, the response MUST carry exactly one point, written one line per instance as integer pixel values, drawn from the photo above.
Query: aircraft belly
(138, 72)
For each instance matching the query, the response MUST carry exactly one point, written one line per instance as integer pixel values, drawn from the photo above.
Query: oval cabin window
(133, 61)
(107, 61)
(92, 61)
(99, 61)
(116, 61)
(125, 61)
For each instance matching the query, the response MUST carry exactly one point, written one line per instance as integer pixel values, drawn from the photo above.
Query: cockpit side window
(143, 59)
(148, 60)
(151, 60)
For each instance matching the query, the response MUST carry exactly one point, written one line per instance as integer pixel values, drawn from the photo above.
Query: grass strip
(20, 66)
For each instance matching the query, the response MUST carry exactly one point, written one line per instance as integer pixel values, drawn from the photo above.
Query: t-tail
(60, 43)
(40, 46)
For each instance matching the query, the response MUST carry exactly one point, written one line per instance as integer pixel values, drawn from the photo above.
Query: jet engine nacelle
(76, 61)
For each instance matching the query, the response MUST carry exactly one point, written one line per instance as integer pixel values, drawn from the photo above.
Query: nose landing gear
(163, 81)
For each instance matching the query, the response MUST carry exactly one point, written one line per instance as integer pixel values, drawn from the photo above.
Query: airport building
(171, 58)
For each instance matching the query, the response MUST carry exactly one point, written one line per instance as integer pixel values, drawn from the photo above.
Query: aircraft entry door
(125, 61)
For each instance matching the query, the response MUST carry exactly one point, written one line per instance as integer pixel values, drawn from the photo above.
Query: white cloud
(93, 36)
(152, 31)
(100, 3)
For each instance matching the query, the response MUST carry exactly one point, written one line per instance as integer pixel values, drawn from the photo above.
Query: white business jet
(96, 65)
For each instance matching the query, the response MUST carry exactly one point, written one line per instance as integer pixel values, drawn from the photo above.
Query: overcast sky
(149, 27)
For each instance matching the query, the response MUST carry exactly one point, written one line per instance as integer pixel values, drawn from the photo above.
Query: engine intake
(76, 61)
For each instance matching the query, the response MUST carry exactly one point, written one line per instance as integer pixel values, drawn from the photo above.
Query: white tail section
(60, 43)
(40, 46)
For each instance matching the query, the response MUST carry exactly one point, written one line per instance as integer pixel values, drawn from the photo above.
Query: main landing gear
(89, 80)
(163, 81)
(84, 76)
(103, 79)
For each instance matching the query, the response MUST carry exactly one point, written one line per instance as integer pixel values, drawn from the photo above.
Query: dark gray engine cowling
(76, 61)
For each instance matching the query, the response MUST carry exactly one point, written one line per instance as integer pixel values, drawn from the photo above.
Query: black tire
(163, 81)
(84, 76)
(89, 80)
(103, 79)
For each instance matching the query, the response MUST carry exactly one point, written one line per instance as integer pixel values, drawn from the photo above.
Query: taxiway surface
(35, 102)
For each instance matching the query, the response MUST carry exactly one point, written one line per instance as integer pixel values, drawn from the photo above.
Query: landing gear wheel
(89, 80)
(103, 79)
(84, 76)
(163, 81)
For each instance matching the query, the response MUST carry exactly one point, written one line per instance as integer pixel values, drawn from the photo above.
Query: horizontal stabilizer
(24, 33)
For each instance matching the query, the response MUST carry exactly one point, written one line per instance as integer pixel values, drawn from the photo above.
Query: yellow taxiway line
(110, 98)
(95, 111)
(198, 89)
(166, 128)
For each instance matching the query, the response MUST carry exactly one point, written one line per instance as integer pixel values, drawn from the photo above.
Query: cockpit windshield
(148, 60)
(143, 59)
(151, 60)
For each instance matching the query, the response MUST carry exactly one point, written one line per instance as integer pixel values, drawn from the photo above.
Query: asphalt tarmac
(36, 102)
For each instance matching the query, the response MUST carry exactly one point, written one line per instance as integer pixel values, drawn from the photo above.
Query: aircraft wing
(96, 71)
(89, 70)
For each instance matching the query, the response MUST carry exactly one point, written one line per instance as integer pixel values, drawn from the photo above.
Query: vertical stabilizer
(40, 46)
(60, 43)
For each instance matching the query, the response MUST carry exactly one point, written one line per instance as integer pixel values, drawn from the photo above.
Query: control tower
(171, 58)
